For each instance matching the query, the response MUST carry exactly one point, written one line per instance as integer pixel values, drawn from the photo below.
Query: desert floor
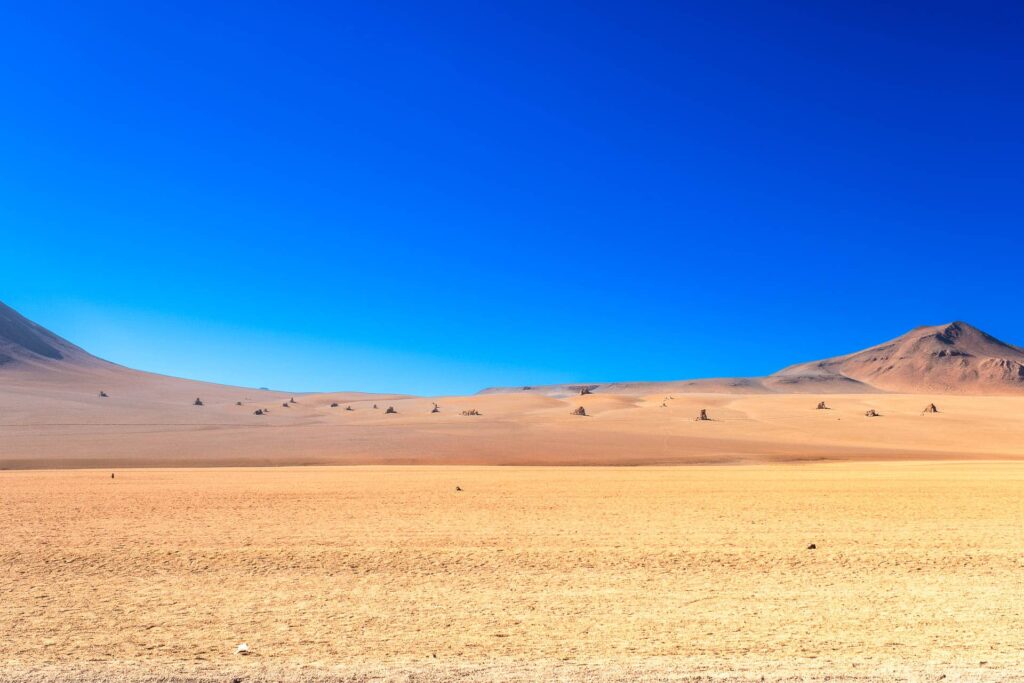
(60, 421)
(390, 573)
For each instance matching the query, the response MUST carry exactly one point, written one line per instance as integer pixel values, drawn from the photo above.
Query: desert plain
(526, 573)
(822, 524)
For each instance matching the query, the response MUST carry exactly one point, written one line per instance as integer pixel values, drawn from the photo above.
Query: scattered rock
(703, 415)
(527, 388)
(375, 406)
(111, 475)
(822, 406)
(238, 403)
(197, 402)
(103, 394)
(435, 409)
(285, 405)
(242, 649)
(872, 413)
(812, 547)
(390, 411)
(458, 488)
(580, 411)
(931, 408)
(292, 400)
(584, 391)
(334, 405)
(471, 411)
(258, 411)
(349, 408)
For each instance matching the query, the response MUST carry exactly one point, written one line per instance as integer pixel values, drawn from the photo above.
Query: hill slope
(62, 407)
(24, 342)
(950, 359)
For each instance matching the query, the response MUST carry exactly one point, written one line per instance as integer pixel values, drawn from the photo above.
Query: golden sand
(381, 573)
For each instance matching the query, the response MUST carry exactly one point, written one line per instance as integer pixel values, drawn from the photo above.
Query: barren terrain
(390, 573)
(155, 424)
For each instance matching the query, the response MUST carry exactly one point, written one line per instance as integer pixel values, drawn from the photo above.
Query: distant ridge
(955, 358)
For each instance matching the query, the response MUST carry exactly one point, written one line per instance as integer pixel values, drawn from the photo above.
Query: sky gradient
(438, 197)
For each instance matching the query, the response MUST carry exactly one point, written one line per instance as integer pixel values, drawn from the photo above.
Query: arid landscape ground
(500, 536)
(391, 573)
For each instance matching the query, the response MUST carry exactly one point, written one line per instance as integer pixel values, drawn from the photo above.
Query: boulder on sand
(871, 413)
(931, 408)
(390, 411)
(822, 406)
(197, 402)
(580, 411)
(703, 415)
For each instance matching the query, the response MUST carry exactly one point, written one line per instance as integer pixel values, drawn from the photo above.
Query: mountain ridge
(953, 358)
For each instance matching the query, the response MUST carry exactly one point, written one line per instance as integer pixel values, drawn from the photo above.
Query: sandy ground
(389, 573)
(56, 419)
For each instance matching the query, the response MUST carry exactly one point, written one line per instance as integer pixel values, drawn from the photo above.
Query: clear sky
(434, 197)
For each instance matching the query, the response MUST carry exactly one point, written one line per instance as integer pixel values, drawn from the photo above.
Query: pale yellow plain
(381, 573)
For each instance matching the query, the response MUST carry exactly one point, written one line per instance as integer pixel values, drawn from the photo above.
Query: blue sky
(437, 197)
